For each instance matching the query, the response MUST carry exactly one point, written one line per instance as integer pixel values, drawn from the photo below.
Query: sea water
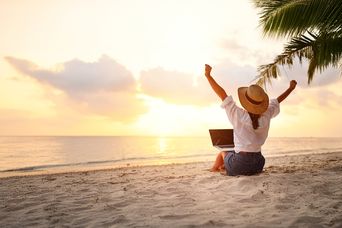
(26, 155)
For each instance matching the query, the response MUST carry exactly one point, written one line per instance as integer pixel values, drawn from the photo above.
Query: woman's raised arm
(287, 92)
(216, 87)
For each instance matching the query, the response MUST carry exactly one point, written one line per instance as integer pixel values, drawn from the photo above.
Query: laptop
(222, 139)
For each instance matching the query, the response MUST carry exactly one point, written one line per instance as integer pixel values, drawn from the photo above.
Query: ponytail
(254, 118)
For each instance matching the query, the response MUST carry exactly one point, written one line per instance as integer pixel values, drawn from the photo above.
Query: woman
(250, 124)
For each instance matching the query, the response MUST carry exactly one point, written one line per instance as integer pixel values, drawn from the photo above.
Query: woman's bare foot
(214, 169)
(223, 172)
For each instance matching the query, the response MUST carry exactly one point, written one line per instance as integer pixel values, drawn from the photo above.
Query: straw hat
(253, 99)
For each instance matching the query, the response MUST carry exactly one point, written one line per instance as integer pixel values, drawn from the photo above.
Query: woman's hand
(216, 87)
(284, 95)
(293, 84)
(207, 70)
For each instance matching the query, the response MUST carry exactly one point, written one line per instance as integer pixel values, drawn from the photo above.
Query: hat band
(251, 100)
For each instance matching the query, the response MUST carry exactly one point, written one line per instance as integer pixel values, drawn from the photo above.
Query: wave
(171, 159)
(103, 162)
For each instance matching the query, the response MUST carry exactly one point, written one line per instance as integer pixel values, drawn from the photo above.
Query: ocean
(27, 155)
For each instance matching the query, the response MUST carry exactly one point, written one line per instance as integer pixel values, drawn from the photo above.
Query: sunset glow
(136, 68)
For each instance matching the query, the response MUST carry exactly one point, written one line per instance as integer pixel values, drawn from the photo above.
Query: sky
(135, 67)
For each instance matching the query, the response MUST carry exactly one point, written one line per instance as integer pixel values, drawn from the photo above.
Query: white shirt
(246, 138)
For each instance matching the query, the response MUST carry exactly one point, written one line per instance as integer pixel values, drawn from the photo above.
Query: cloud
(173, 86)
(78, 77)
(241, 51)
(103, 87)
(187, 89)
(299, 72)
(231, 75)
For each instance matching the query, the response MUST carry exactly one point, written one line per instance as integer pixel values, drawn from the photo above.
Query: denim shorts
(244, 163)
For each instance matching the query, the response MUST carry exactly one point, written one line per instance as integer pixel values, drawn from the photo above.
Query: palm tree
(314, 28)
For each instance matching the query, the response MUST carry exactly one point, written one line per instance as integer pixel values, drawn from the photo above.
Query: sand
(294, 191)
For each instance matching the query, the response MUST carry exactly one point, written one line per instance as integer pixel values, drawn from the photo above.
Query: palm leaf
(294, 17)
(322, 50)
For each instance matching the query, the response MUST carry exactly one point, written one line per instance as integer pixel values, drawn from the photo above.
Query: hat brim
(250, 107)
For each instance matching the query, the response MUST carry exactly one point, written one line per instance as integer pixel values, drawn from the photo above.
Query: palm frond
(294, 17)
(327, 50)
(322, 50)
(311, 69)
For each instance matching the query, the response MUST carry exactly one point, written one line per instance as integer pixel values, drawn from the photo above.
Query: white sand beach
(293, 191)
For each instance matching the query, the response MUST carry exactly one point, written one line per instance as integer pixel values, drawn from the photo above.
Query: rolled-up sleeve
(273, 108)
(227, 102)
(232, 110)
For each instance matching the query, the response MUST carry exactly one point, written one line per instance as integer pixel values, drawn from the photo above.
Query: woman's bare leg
(219, 162)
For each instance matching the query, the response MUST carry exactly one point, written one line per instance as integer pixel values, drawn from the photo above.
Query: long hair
(254, 118)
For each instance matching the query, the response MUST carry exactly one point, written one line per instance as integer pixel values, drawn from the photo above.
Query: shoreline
(292, 191)
(111, 167)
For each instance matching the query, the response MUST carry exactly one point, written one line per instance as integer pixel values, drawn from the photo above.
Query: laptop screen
(222, 137)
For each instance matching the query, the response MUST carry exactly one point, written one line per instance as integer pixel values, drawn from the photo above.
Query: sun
(161, 120)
